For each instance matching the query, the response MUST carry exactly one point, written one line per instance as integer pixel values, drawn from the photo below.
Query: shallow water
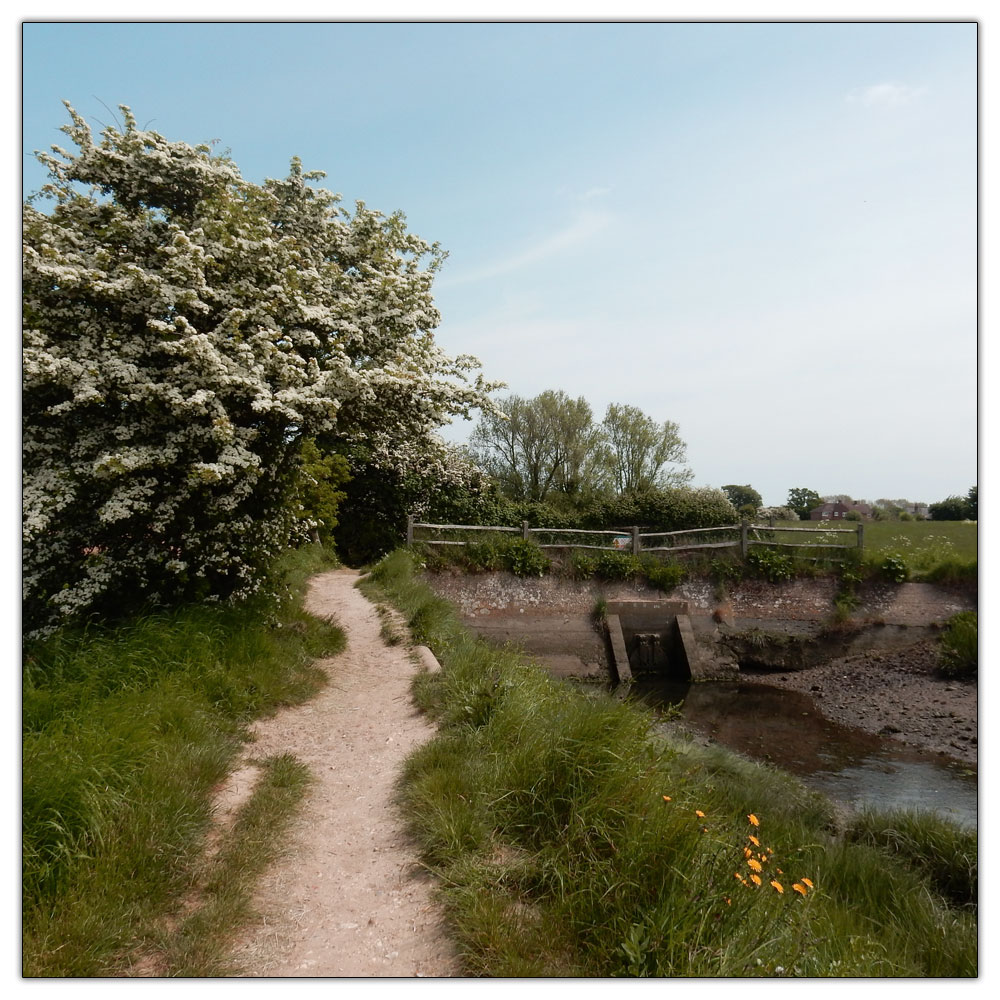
(785, 728)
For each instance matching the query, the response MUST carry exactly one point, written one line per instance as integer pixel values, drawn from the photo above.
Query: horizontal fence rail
(633, 540)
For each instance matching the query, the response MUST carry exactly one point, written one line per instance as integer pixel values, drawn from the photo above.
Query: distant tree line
(955, 508)
(550, 444)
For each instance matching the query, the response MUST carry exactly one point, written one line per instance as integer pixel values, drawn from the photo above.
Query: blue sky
(766, 232)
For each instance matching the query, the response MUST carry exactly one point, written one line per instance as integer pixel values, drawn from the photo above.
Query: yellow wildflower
(747, 853)
(753, 820)
(753, 840)
(754, 864)
(800, 889)
(667, 798)
(755, 879)
(778, 886)
(806, 881)
(699, 814)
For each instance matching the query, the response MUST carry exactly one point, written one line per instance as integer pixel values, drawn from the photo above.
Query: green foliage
(664, 575)
(769, 564)
(640, 450)
(555, 512)
(723, 570)
(539, 447)
(958, 655)
(541, 810)
(952, 509)
(525, 558)
(669, 509)
(972, 499)
(582, 564)
(504, 552)
(487, 554)
(893, 567)
(319, 489)
(802, 501)
(617, 566)
(744, 496)
(844, 604)
(436, 483)
(549, 446)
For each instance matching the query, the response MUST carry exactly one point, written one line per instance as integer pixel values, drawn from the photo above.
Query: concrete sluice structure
(658, 637)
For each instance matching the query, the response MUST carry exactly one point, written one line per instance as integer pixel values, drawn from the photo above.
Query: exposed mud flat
(894, 693)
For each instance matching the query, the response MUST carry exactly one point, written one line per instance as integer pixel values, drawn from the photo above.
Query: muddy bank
(894, 693)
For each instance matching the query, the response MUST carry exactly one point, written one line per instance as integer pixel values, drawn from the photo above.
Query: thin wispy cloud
(595, 192)
(886, 95)
(583, 229)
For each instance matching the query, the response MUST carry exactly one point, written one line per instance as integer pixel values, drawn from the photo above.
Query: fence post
(635, 539)
(861, 536)
(409, 529)
(744, 537)
(525, 531)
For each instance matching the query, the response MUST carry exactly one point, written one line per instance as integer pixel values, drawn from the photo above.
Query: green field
(924, 545)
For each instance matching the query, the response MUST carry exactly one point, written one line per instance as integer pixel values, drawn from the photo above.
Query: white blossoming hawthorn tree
(183, 330)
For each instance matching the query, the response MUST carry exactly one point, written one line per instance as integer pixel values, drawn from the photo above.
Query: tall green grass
(126, 730)
(542, 810)
(958, 653)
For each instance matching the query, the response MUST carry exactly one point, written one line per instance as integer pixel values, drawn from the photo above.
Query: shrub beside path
(348, 898)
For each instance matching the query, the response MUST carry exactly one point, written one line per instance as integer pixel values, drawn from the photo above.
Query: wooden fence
(743, 536)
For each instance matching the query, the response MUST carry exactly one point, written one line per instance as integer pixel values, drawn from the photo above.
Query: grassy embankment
(127, 730)
(570, 838)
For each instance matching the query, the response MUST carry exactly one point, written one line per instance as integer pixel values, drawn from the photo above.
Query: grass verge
(571, 838)
(194, 942)
(126, 732)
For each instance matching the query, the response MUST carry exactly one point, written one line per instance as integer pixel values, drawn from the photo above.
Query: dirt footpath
(348, 899)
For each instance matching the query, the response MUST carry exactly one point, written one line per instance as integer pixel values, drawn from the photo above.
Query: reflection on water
(785, 728)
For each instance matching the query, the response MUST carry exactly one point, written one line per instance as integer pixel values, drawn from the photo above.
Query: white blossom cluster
(183, 329)
(778, 513)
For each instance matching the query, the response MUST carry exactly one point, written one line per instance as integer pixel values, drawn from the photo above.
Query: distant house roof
(828, 510)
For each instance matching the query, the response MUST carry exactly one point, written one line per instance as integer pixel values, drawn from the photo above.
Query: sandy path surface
(349, 898)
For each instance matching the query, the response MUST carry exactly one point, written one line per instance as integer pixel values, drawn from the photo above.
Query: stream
(851, 766)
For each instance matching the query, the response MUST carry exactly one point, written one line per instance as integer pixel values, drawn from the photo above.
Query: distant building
(828, 512)
(864, 509)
